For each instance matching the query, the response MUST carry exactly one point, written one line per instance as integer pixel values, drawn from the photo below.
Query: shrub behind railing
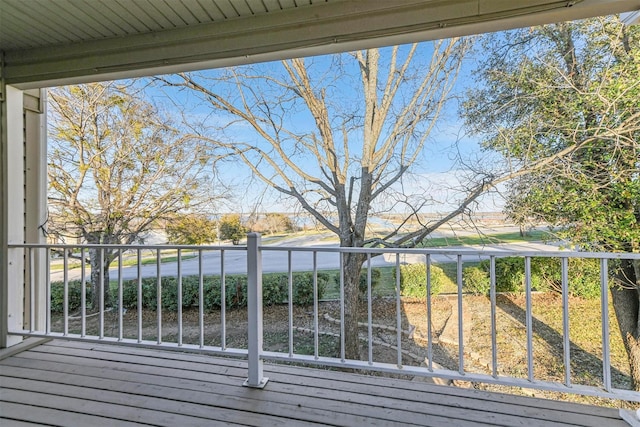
(75, 296)
(274, 291)
(546, 275)
(413, 280)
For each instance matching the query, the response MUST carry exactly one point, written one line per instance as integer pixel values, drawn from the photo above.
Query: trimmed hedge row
(75, 296)
(413, 280)
(274, 291)
(546, 275)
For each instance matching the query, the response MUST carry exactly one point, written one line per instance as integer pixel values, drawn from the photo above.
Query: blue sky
(435, 171)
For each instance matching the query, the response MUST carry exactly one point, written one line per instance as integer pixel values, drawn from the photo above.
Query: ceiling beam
(326, 28)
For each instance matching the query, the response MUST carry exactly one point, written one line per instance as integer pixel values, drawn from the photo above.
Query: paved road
(235, 261)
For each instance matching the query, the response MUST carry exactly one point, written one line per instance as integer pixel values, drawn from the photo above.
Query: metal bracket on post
(254, 311)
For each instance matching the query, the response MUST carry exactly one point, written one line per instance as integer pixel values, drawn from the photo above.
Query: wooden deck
(71, 383)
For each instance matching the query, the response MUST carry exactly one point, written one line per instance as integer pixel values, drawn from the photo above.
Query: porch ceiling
(47, 42)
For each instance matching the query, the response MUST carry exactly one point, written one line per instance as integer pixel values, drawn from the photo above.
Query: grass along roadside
(170, 255)
(484, 239)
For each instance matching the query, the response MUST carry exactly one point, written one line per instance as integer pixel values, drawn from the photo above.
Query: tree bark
(626, 303)
(352, 264)
(633, 346)
(96, 284)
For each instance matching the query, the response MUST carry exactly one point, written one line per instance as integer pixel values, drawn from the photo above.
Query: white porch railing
(154, 327)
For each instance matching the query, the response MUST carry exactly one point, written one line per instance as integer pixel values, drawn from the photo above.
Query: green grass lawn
(166, 256)
(514, 237)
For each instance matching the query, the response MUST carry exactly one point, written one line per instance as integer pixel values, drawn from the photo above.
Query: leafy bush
(191, 229)
(190, 290)
(584, 275)
(303, 287)
(212, 293)
(376, 276)
(231, 228)
(274, 291)
(75, 296)
(476, 280)
(546, 275)
(149, 293)
(413, 280)
(236, 291)
(509, 274)
(584, 278)
(169, 289)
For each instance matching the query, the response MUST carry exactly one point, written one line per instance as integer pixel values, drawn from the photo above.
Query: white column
(35, 206)
(254, 311)
(12, 214)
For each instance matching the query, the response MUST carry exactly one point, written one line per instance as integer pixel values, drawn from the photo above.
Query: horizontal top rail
(126, 247)
(338, 249)
(458, 251)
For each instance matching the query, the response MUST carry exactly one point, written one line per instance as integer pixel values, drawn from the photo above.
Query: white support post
(35, 130)
(11, 214)
(254, 308)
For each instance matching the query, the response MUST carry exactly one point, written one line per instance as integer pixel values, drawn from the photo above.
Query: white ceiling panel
(47, 42)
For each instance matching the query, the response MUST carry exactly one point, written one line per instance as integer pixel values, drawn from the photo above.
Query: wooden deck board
(323, 401)
(296, 383)
(83, 383)
(32, 414)
(478, 395)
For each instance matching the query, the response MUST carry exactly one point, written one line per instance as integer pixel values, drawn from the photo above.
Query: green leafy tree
(274, 222)
(191, 229)
(231, 228)
(568, 96)
(116, 166)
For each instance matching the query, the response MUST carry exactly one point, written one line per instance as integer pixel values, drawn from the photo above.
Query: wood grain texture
(71, 383)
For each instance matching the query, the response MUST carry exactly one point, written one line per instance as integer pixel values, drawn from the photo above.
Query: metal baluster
(460, 316)
(159, 295)
(101, 299)
(83, 295)
(369, 311)
(342, 313)
(529, 316)
(290, 300)
(32, 290)
(139, 284)
(120, 299)
(494, 330)
(604, 300)
(429, 323)
(565, 321)
(48, 292)
(223, 303)
(315, 306)
(200, 298)
(398, 313)
(65, 302)
(179, 297)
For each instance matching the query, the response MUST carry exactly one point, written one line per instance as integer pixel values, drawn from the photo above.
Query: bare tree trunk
(633, 345)
(95, 262)
(352, 265)
(626, 303)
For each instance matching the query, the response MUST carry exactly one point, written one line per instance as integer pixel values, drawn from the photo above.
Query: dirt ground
(585, 336)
